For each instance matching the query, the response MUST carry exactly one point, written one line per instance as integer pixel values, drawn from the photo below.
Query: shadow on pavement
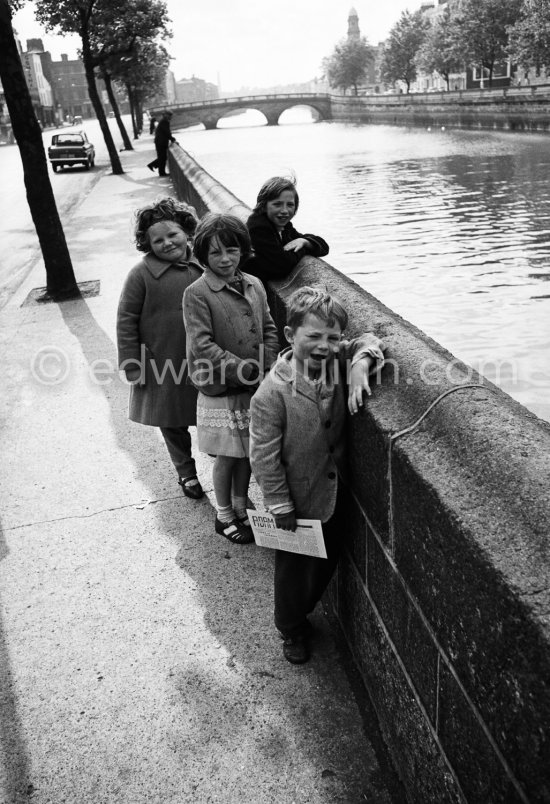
(259, 705)
(12, 743)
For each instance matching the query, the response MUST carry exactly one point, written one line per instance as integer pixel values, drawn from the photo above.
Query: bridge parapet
(210, 112)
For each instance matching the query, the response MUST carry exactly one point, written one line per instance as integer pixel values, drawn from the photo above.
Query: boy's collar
(286, 371)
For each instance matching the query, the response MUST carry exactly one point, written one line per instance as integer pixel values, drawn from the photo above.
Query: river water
(449, 228)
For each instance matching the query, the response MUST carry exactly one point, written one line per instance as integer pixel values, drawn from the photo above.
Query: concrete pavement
(138, 660)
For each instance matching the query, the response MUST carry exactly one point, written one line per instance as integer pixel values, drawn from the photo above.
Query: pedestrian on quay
(151, 333)
(297, 446)
(278, 247)
(163, 138)
(152, 124)
(231, 342)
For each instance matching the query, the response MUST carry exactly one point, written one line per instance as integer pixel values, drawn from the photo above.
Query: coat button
(331, 475)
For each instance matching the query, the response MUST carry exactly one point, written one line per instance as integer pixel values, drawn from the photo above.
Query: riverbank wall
(443, 590)
(508, 108)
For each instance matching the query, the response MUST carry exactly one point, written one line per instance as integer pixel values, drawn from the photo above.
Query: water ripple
(450, 229)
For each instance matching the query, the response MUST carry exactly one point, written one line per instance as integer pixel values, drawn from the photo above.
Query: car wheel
(87, 165)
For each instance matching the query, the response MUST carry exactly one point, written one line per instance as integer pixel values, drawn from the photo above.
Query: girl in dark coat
(151, 333)
(278, 247)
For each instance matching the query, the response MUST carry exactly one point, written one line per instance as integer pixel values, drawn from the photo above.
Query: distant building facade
(467, 78)
(39, 87)
(372, 82)
(168, 92)
(70, 88)
(193, 89)
(353, 26)
(6, 134)
(58, 89)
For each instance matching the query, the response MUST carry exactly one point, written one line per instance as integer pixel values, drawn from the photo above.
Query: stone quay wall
(509, 108)
(443, 591)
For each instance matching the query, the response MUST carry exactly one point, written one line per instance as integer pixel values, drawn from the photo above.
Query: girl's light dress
(223, 424)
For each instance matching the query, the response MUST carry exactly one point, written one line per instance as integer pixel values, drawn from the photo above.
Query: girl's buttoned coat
(297, 439)
(151, 336)
(228, 333)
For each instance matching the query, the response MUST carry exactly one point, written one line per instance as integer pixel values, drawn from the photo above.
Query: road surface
(20, 246)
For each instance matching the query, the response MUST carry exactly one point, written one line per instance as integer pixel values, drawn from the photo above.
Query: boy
(297, 445)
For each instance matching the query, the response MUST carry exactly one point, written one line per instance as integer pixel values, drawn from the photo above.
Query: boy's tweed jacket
(151, 334)
(297, 439)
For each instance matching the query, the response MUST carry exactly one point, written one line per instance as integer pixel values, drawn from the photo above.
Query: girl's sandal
(235, 531)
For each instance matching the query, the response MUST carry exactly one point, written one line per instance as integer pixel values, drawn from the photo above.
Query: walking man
(163, 138)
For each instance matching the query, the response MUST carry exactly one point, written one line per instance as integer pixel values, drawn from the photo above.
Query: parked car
(71, 148)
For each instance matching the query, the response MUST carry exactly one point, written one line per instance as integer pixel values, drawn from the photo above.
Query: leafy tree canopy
(144, 71)
(348, 64)
(106, 28)
(530, 35)
(438, 53)
(480, 30)
(402, 46)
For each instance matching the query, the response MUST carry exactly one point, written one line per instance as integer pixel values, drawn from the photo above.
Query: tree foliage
(142, 76)
(107, 30)
(348, 64)
(480, 30)
(402, 46)
(438, 53)
(118, 41)
(60, 278)
(530, 35)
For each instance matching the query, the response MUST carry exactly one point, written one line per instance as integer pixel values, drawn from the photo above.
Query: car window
(70, 140)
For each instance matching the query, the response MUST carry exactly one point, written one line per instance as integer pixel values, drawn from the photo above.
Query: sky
(249, 43)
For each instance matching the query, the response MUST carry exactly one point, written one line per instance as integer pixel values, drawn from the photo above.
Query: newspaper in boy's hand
(306, 539)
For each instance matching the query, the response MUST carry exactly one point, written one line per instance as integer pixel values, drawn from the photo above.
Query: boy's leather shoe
(295, 650)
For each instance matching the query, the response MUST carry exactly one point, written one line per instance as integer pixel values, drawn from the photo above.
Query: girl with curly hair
(151, 333)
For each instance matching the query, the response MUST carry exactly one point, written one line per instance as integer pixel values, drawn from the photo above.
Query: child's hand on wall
(297, 244)
(359, 384)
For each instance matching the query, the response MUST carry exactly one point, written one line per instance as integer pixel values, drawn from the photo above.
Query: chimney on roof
(35, 45)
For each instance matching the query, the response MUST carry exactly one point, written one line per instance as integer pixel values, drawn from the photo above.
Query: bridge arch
(271, 106)
(229, 113)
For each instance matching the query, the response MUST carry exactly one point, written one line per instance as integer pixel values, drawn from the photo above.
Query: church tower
(353, 25)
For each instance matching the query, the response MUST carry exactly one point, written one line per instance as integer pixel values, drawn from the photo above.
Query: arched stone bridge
(272, 106)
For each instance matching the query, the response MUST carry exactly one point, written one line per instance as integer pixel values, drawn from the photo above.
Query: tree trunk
(60, 278)
(139, 113)
(98, 107)
(114, 105)
(130, 92)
